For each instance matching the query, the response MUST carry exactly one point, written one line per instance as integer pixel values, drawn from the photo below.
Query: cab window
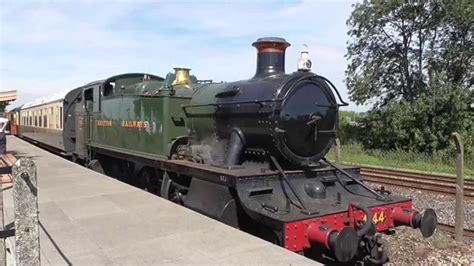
(109, 89)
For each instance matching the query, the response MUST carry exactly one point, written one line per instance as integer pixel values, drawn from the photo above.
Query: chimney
(270, 56)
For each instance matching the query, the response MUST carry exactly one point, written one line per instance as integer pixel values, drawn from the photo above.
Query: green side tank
(142, 118)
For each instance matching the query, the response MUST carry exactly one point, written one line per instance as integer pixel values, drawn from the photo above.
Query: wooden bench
(6, 163)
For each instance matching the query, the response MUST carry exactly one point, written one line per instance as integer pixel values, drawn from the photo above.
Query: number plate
(378, 217)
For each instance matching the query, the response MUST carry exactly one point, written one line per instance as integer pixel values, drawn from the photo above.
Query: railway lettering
(104, 123)
(135, 124)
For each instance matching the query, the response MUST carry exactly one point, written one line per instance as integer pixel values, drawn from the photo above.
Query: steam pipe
(377, 195)
(234, 147)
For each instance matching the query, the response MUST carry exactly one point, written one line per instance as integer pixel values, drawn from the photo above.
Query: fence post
(3, 255)
(338, 151)
(459, 211)
(25, 198)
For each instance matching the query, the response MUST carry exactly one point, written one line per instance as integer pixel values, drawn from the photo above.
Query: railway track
(450, 229)
(428, 182)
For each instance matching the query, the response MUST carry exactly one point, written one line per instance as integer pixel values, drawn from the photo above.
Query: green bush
(424, 126)
(349, 126)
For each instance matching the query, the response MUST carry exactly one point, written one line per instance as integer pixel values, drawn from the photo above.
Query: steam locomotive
(248, 153)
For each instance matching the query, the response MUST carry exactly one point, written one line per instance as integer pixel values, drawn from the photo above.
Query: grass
(442, 242)
(354, 153)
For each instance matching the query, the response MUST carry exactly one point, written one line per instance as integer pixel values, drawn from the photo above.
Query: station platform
(88, 218)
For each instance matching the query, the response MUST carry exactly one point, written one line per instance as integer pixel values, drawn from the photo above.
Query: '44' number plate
(379, 217)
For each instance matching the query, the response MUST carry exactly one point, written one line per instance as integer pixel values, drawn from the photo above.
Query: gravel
(442, 204)
(407, 246)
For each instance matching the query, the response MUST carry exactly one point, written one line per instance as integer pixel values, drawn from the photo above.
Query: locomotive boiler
(292, 117)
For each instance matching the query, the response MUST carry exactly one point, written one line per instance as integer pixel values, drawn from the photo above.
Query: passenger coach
(42, 121)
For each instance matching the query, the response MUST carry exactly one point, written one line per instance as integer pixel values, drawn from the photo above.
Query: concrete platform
(89, 218)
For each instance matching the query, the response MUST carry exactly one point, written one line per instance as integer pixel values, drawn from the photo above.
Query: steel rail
(427, 182)
(450, 229)
(425, 176)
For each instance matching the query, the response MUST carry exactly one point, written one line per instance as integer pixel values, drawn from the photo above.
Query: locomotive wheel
(269, 235)
(180, 152)
(170, 190)
(148, 180)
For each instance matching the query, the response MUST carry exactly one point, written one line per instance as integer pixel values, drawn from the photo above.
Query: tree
(396, 48)
(424, 125)
(414, 61)
(3, 106)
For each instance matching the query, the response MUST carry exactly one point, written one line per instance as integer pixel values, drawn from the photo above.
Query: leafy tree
(397, 47)
(424, 125)
(414, 61)
(3, 106)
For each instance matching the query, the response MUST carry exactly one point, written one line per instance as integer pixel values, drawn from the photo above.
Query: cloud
(49, 46)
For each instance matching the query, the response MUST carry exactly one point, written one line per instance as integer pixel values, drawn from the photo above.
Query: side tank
(145, 117)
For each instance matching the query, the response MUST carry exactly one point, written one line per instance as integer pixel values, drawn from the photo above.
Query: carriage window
(60, 117)
(56, 116)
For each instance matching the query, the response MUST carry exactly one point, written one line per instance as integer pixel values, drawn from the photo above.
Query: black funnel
(270, 56)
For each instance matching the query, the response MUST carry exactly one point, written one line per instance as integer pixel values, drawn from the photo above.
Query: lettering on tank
(104, 123)
(136, 124)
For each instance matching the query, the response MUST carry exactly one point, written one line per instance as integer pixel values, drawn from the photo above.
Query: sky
(52, 46)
